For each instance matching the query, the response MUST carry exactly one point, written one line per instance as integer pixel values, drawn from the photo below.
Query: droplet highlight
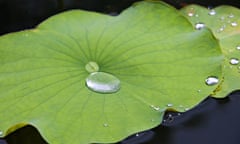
(231, 16)
(234, 61)
(212, 80)
(199, 26)
(102, 82)
(92, 67)
(155, 108)
(1, 133)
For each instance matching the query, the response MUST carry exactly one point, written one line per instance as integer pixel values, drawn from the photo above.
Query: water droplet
(231, 16)
(137, 134)
(186, 109)
(169, 105)
(105, 125)
(102, 82)
(222, 18)
(1, 133)
(179, 114)
(212, 12)
(190, 14)
(199, 91)
(234, 24)
(238, 47)
(212, 80)
(199, 26)
(92, 67)
(234, 61)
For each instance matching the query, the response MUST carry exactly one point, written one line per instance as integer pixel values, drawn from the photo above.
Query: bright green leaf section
(159, 58)
(224, 21)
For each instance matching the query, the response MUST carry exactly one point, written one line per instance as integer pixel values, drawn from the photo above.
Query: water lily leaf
(84, 77)
(224, 21)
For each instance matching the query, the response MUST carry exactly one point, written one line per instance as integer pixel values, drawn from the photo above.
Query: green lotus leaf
(224, 21)
(84, 77)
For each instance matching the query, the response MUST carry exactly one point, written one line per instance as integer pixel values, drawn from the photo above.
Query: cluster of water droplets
(101, 82)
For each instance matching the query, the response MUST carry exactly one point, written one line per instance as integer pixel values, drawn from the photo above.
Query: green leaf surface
(160, 60)
(224, 21)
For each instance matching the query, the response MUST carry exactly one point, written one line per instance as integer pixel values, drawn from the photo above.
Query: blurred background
(213, 121)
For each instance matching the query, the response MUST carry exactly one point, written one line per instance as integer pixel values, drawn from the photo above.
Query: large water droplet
(212, 80)
(234, 61)
(234, 24)
(102, 82)
(212, 12)
(199, 26)
(92, 67)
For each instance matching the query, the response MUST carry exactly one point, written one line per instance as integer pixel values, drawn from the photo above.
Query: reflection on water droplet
(212, 12)
(199, 26)
(234, 24)
(102, 82)
(212, 80)
(1, 133)
(199, 91)
(169, 105)
(234, 61)
(105, 125)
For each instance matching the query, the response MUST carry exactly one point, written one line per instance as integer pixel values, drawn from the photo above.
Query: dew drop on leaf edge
(101, 82)
(211, 80)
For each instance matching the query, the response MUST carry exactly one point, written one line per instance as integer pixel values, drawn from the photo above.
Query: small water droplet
(155, 108)
(190, 14)
(105, 125)
(212, 80)
(137, 134)
(179, 114)
(238, 47)
(102, 82)
(234, 61)
(196, 15)
(222, 18)
(153, 120)
(199, 91)
(92, 67)
(169, 105)
(199, 26)
(1, 133)
(186, 109)
(231, 16)
(234, 24)
(212, 12)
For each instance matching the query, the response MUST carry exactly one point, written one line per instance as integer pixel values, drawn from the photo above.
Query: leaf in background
(224, 21)
(135, 65)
